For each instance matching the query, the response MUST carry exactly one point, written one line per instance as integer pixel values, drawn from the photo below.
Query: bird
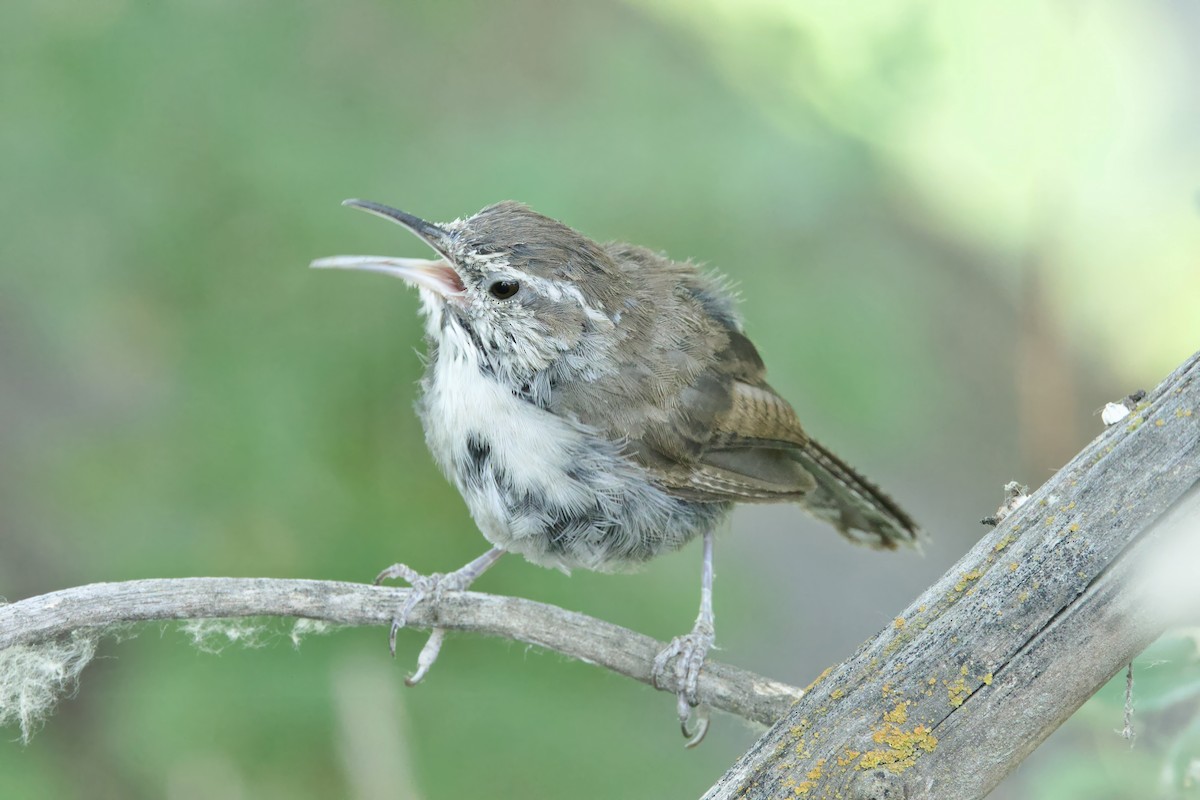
(598, 405)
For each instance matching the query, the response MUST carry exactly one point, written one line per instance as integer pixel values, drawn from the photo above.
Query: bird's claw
(424, 587)
(427, 656)
(431, 587)
(688, 653)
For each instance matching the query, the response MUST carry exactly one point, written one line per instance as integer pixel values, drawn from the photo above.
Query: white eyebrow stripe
(560, 290)
(547, 287)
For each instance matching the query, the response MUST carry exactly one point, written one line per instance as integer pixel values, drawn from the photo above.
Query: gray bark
(984, 665)
(970, 678)
(99, 606)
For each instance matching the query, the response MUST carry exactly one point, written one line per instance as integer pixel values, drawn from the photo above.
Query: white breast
(559, 493)
(536, 450)
(532, 445)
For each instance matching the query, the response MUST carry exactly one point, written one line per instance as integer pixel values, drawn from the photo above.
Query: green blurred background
(958, 230)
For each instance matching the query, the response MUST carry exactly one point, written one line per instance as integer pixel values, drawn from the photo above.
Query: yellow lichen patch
(898, 715)
(818, 679)
(810, 782)
(901, 638)
(845, 759)
(1012, 567)
(920, 608)
(838, 694)
(798, 732)
(1070, 505)
(1074, 527)
(900, 747)
(987, 679)
(1050, 520)
(1003, 543)
(1158, 423)
(1183, 412)
(1135, 424)
(957, 691)
(966, 579)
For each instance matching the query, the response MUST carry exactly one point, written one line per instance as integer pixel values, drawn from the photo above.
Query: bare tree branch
(970, 678)
(984, 665)
(97, 606)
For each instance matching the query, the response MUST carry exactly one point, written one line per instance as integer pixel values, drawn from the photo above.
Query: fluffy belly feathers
(544, 486)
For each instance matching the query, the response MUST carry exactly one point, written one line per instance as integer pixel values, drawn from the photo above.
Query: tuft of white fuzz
(303, 627)
(1113, 413)
(34, 677)
(214, 635)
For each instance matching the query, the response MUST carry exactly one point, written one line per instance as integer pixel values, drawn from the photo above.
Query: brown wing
(730, 437)
(689, 399)
(745, 444)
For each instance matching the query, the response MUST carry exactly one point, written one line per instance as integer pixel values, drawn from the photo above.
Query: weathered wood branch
(98, 606)
(944, 703)
(984, 665)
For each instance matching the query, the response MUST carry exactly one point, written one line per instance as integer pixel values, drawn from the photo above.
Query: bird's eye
(503, 289)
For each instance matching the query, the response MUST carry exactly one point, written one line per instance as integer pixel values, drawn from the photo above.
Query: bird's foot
(688, 653)
(424, 587)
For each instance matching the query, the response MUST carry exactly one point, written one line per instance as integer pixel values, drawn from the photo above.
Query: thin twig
(1127, 730)
(101, 605)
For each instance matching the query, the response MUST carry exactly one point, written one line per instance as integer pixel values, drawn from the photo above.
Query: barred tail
(852, 504)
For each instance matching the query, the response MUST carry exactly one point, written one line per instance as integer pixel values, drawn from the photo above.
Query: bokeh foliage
(954, 229)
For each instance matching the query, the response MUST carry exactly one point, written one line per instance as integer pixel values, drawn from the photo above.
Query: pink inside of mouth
(450, 278)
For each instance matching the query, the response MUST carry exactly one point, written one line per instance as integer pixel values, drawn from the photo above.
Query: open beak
(436, 275)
